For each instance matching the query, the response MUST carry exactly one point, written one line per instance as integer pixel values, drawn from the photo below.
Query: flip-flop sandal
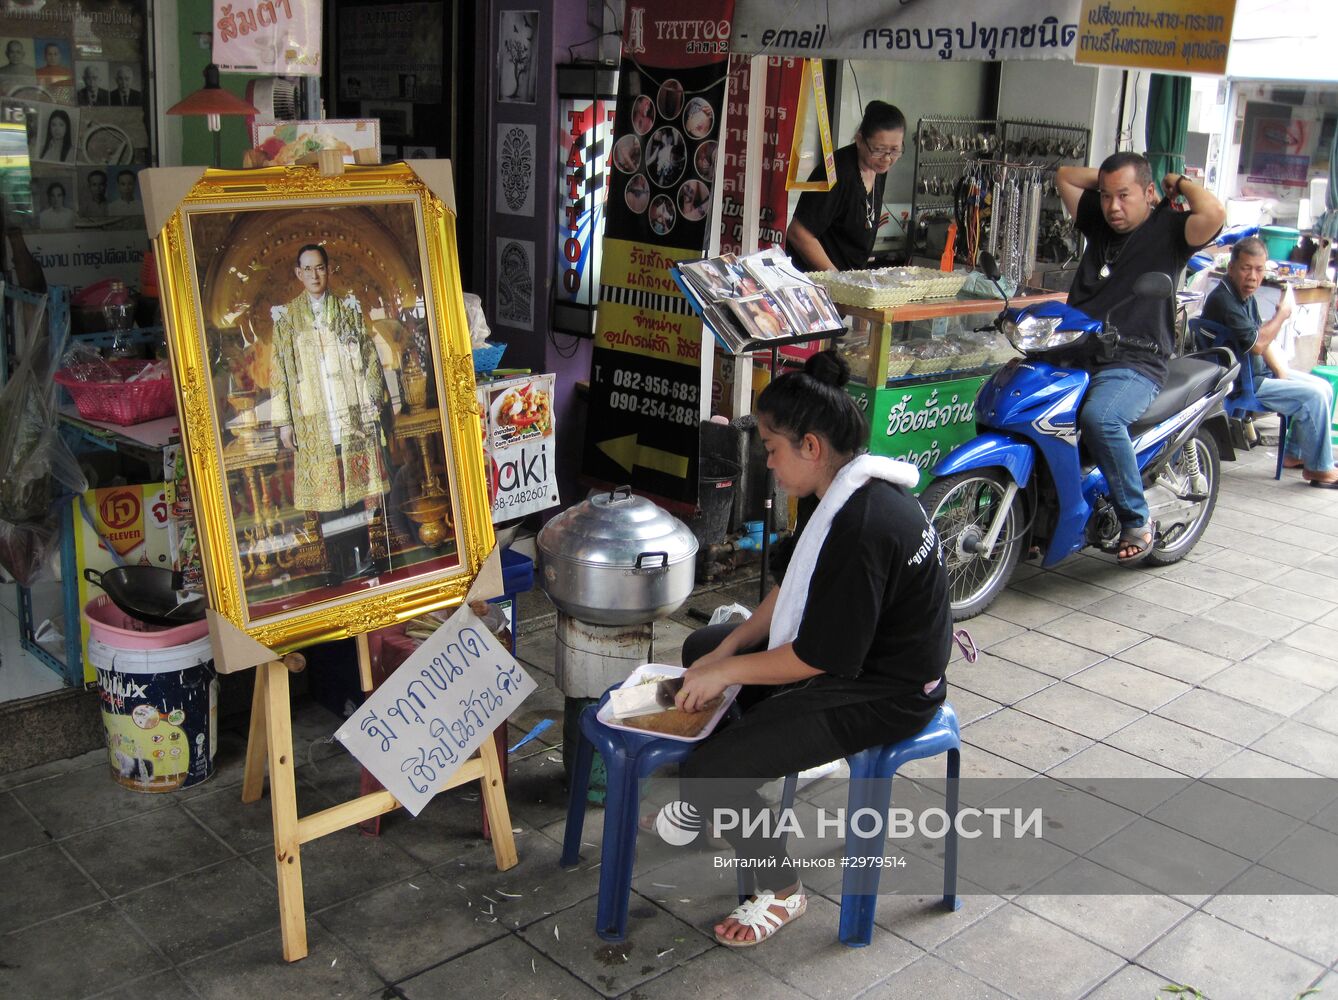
(1141, 539)
(1331, 484)
(756, 915)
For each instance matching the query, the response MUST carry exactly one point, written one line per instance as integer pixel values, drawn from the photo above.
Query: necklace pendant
(1104, 272)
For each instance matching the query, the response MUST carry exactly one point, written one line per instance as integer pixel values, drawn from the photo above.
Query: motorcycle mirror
(1154, 285)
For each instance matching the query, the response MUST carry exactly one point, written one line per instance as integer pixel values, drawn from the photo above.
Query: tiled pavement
(1225, 665)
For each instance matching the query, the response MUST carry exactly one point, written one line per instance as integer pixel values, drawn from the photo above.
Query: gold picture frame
(325, 389)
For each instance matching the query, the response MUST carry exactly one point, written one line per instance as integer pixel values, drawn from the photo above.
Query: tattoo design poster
(515, 169)
(515, 283)
(515, 55)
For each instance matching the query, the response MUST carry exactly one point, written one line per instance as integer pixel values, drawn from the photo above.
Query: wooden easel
(271, 739)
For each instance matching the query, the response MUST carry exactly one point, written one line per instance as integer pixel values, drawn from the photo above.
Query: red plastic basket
(120, 402)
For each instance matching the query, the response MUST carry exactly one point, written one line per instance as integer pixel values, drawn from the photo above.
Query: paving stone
(1132, 981)
(505, 968)
(1226, 962)
(1025, 740)
(615, 968)
(42, 883)
(343, 864)
(74, 955)
(1283, 911)
(986, 630)
(1131, 685)
(924, 922)
(1297, 665)
(245, 826)
(1321, 713)
(1100, 571)
(1073, 819)
(1310, 855)
(1271, 597)
(1058, 963)
(1273, 783)
(401, 928)
(255, 968)
(1163, 742)
(1050, 656)
(1065, 590)
(1219, 581)
(1268, 624)
(449, 826)
(137, 852)
(1167, 861)
(1315, 639)
(1023, 609)
(1219, 715)
(1255, 686)
(204, 910)
(53, 768)
(1079, 710)
(970, 706)
(1218, 639)
(1092, 632)
(76, 801)
(1125, 919)
(537, 885)
(164, 985)
(1214, 814)
(1175, 596)
(1120, 778)
(997, 679)
(1166, 657)
(1132, 612)
(18, 830)
(718, 973)
(1324, 564)
(1312, 584)
(1272, 550)
(931, 978)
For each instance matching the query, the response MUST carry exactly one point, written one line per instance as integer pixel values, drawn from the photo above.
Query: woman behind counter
(848, 653)
(834, 230)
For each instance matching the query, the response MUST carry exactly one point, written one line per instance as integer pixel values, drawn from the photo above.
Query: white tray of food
(650, 673)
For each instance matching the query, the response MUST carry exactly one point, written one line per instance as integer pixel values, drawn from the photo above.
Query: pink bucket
(113, 627)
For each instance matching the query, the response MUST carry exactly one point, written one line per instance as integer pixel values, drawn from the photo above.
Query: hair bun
(829, 368)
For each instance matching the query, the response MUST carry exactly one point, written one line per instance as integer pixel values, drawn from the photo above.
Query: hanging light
(212, 101)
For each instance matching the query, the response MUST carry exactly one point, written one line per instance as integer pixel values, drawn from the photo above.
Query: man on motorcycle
(1306, 398)
(1129, 232)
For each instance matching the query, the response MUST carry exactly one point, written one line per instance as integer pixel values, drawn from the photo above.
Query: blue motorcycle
(1024, 485)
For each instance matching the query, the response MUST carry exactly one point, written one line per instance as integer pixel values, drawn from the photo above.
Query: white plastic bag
(478, 323)
(725, 612)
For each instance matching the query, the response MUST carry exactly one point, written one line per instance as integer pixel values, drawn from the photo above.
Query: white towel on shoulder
(793, 596)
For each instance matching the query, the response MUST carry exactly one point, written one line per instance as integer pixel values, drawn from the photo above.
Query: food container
(616, 559)
(661, 671)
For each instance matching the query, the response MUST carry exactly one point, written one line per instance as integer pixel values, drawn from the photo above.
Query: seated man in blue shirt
(1306, 399)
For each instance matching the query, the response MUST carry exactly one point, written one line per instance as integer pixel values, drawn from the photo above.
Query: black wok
(151, 594)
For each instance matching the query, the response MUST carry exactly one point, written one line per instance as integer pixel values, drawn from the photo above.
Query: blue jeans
(1308, 400)
(1116, 398)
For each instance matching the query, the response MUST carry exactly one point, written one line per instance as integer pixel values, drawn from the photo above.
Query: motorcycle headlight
(1038, 333)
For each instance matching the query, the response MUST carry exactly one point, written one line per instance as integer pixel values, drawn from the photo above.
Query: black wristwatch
(1178, 182)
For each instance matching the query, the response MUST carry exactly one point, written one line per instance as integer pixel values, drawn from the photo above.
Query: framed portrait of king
(325, 388)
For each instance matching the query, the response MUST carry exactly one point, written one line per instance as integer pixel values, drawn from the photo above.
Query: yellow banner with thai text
(641, 266)
(1171, 36)
(652, 334)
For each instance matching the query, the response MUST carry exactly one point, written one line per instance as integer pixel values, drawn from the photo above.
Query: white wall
(1052, 90)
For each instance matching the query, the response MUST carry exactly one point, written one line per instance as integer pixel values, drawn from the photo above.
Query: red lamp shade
(212, 100)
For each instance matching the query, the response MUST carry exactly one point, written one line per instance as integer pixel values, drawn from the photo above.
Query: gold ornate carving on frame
(265, 214)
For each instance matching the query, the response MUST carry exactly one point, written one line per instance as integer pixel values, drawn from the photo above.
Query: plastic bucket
(715, 500)
(160, 713)
(110, 625)
(1280, 240)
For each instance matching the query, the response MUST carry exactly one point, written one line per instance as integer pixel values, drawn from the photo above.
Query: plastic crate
(517, 572)
(121, 403)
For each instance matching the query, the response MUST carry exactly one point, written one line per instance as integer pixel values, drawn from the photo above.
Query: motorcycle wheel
(1211, 467)
(962, 508)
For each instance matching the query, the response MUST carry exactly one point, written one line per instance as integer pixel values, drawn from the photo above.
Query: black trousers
(783, 730)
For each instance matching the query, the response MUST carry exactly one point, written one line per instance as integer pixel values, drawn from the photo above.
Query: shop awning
(935, 30)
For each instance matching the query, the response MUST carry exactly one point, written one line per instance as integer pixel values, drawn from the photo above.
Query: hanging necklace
(1108, 258)
(870, 210)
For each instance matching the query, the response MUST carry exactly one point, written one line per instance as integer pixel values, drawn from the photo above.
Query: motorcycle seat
(1187, 379)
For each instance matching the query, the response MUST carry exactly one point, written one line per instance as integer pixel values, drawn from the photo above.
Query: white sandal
(757, 916)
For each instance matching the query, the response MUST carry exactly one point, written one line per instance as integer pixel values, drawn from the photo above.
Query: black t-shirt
(839, 218)
(878, 620)
(1147, 326)
(1240, 318)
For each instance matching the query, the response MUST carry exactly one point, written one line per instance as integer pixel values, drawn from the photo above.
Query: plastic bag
(725, 612)
(478, 323)
(35, 465)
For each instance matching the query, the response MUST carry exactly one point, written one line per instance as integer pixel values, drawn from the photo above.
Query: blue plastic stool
(871, 774)
(628, 758)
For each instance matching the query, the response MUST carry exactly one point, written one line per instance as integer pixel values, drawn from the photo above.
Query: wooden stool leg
(494, 800)
(283, 799)
(253, 775)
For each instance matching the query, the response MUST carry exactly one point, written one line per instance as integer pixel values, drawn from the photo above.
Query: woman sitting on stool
(848, 653)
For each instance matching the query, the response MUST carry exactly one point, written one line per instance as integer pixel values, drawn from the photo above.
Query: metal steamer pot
(616, 559)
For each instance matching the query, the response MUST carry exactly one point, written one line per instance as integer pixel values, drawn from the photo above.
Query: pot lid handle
(664, 560)
(620, 494)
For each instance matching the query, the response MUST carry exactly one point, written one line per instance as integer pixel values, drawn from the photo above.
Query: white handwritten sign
(268, 36)
(435, 710)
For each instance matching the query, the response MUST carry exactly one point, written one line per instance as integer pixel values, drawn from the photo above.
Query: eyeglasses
(882, 152)
(317, 269)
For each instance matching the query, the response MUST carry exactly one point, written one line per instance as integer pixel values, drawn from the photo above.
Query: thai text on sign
(1174, 36)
